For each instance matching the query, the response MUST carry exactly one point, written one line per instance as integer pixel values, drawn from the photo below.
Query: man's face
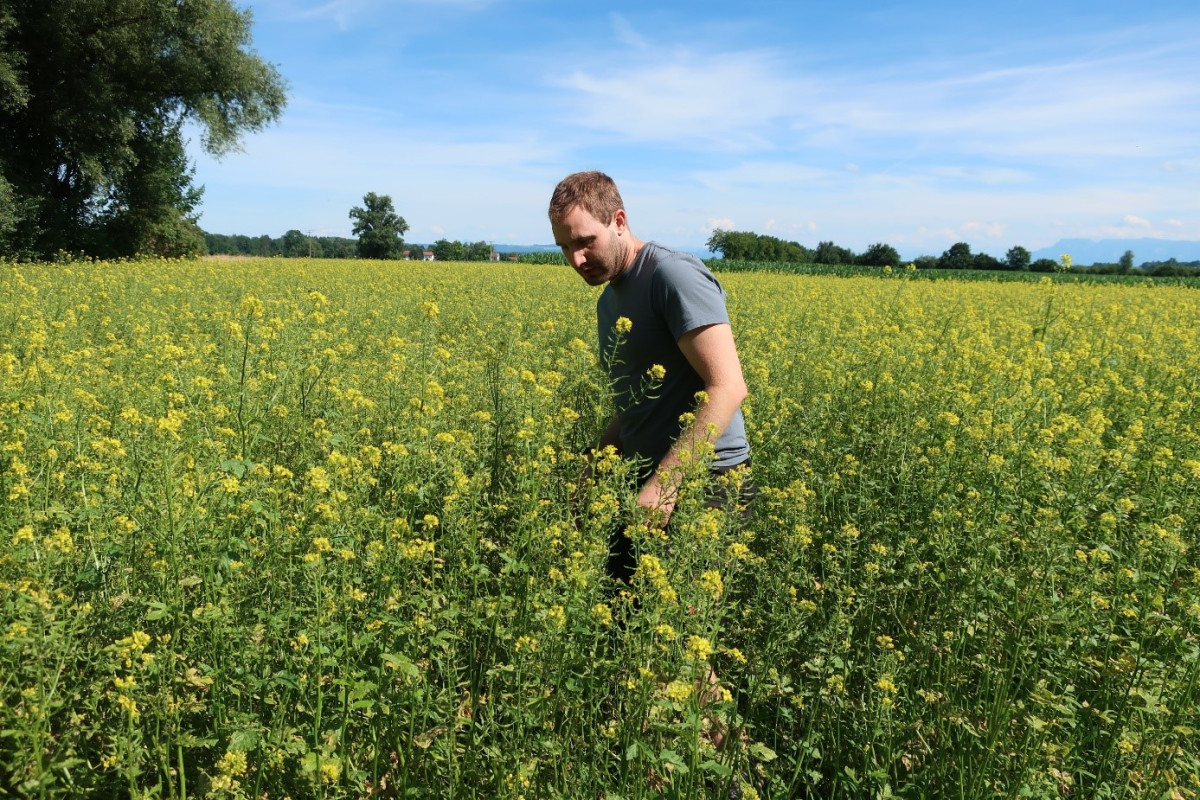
(595, 250)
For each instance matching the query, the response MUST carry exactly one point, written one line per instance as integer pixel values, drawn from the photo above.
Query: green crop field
(314, 529)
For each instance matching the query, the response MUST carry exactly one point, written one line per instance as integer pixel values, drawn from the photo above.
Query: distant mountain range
(1109, 251)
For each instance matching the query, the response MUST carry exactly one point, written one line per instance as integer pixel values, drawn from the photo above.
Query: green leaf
(244, 740)
(761, 752)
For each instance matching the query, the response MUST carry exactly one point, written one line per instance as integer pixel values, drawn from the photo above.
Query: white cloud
(729, 99)
(724, 223)
(769, 224)
(760, 173)
(992, 230)
(1140, 222)
(1174, 223)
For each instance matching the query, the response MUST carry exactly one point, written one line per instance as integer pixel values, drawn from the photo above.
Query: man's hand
(658, 501)
(711, 352)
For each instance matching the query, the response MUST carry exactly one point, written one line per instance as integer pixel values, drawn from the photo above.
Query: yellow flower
(602, 614)
(331, 770)
(678, 691)
(698, 648)
(657, 372)
(232, 763)
(737, 551)
(129, 704)
(624, 325)
(711, 583)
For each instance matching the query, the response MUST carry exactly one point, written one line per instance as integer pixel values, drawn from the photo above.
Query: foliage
(830, 253)
(380, 230)
(294, 243)
(446, 250)
(1126, 263)
(542, 257)
(743, 245)
(310, 528)
(957, 257)
(879, 255)
(984, 261)
(1017, 258)
(93, 98)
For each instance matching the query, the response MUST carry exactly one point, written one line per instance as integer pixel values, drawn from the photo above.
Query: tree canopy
(880, 255)
(380, 230)
(957, 257)
(94, 96)
(1017, 258)
(743, 245)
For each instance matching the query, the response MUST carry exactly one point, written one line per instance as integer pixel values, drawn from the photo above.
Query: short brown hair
(594, 191)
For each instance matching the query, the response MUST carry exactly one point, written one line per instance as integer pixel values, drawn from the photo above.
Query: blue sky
(918, 124)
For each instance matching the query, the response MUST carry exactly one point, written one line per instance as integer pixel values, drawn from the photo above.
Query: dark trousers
(622, 560)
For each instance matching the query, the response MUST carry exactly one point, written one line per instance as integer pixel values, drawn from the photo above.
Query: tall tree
(1126, 263)
(478, 251)
(957, 257)
(93, 98)
(1017, 258)
(746, 246)
(446, 250)
(830, 253)
(880, 255)
(379, 228)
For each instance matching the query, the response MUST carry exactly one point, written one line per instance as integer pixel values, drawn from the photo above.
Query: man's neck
(635, 247)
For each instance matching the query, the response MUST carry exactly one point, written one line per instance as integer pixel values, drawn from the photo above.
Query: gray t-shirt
(664, 294)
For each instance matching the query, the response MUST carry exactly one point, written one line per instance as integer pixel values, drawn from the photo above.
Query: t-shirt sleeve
(688, 297)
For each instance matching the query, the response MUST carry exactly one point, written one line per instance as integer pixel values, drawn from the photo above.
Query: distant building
(427, 255)
(494, 256)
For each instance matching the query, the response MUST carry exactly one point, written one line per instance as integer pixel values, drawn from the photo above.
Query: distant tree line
(380, 231)
(747, 246)
(293, 244)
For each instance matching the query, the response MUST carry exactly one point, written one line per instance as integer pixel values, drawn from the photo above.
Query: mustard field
(315, 529)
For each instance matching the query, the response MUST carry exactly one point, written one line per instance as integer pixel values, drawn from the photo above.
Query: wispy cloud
(730, 98)
(759, 173)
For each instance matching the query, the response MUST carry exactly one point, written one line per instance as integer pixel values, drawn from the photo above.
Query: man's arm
(712, 353)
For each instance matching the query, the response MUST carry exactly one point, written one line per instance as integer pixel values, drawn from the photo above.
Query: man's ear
(622, 222)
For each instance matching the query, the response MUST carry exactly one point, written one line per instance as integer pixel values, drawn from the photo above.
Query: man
(661, 314)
